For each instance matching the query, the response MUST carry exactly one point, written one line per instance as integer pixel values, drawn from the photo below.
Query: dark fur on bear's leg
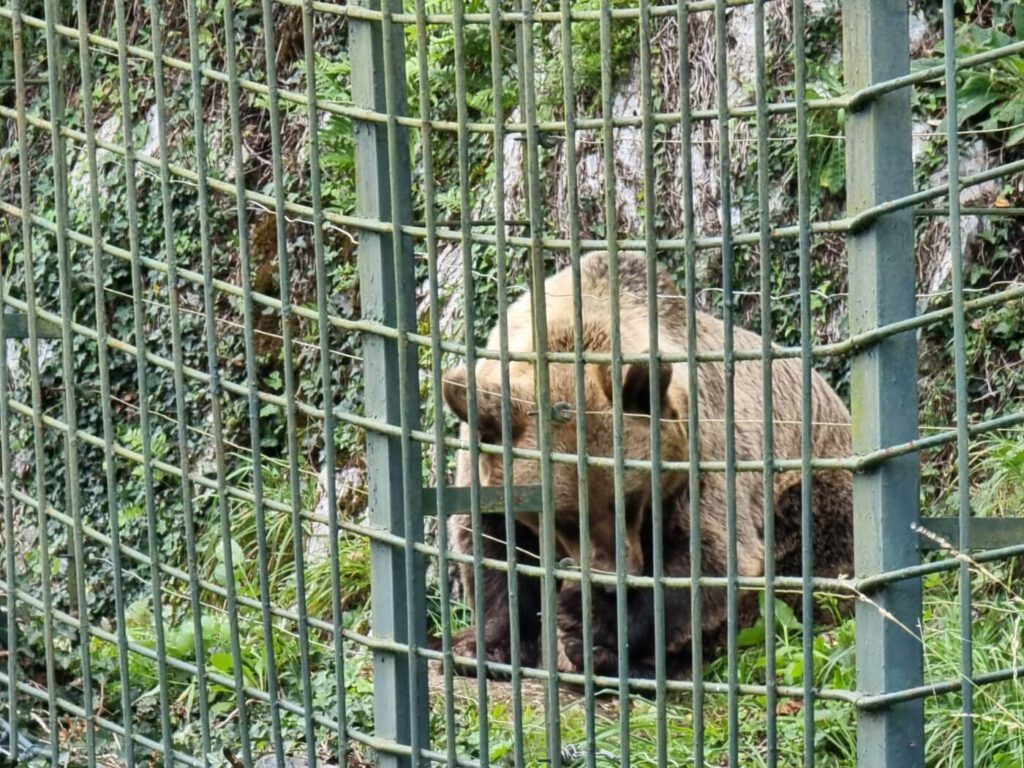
(833, 555)
(496, 607)
(641, 613)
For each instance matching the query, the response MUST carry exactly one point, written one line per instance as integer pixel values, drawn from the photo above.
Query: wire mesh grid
(271, 498)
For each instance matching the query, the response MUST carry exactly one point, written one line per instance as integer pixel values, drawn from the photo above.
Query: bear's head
(597, 434)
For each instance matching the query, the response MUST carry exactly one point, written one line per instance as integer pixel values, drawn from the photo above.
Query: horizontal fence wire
(241, 264)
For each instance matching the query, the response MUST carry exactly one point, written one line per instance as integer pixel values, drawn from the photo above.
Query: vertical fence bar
(73, 498)
(500, 259)
(693, 411)
(436, 375)
(38, 443)
(729, 365)
(582, 472)
(103, 360)
(960, 363)
(408, 383)
(654, 381)
(549, 634)
(142, 375)
(177, 351)
(469, 315)
(7, 499)
(768, 437)
(618, 448)
(883, 381)
(251, 374)
(216, 389)
(806, 411)
(326, 382)
(288, 363)
(394, 710)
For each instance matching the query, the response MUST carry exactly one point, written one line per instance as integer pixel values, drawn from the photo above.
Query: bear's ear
(636, 387)
(488, 406)
(453, 387)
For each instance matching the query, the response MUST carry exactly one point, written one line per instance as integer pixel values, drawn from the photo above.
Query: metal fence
(178, 367)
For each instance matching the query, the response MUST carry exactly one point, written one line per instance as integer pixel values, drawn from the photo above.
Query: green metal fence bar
(72, 488)
(180, 408)
(270, 49)
(583, 478)
(956, 256)
(806, 411)
(693, 410)
(388, 389)
(472, 399)
(515, 627)
(215, 390)
(28, 255)
(330, 421)
(728, 265)
(251, 378)
(103, 361)
(767, 393)
(875, 44)
(548, 612)
(138, 324)
(654, 384)
(408, 383)
(438, 500)
(10, 563)
(616, 369)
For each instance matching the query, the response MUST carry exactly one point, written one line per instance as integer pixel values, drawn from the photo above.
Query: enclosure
(250, 255)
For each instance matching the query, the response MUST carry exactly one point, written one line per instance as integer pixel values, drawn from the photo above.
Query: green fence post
(382, 194)
(884, 381)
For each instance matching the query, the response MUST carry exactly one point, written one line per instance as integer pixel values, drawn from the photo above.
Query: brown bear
(832, 506)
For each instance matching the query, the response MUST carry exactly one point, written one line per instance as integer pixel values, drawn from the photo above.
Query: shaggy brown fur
(832, 490)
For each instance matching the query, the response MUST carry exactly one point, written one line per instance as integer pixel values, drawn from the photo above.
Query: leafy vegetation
(991, 109)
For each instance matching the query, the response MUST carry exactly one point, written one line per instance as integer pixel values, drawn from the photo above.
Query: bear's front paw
(465, 644)
(498, 651)
(571, 644)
